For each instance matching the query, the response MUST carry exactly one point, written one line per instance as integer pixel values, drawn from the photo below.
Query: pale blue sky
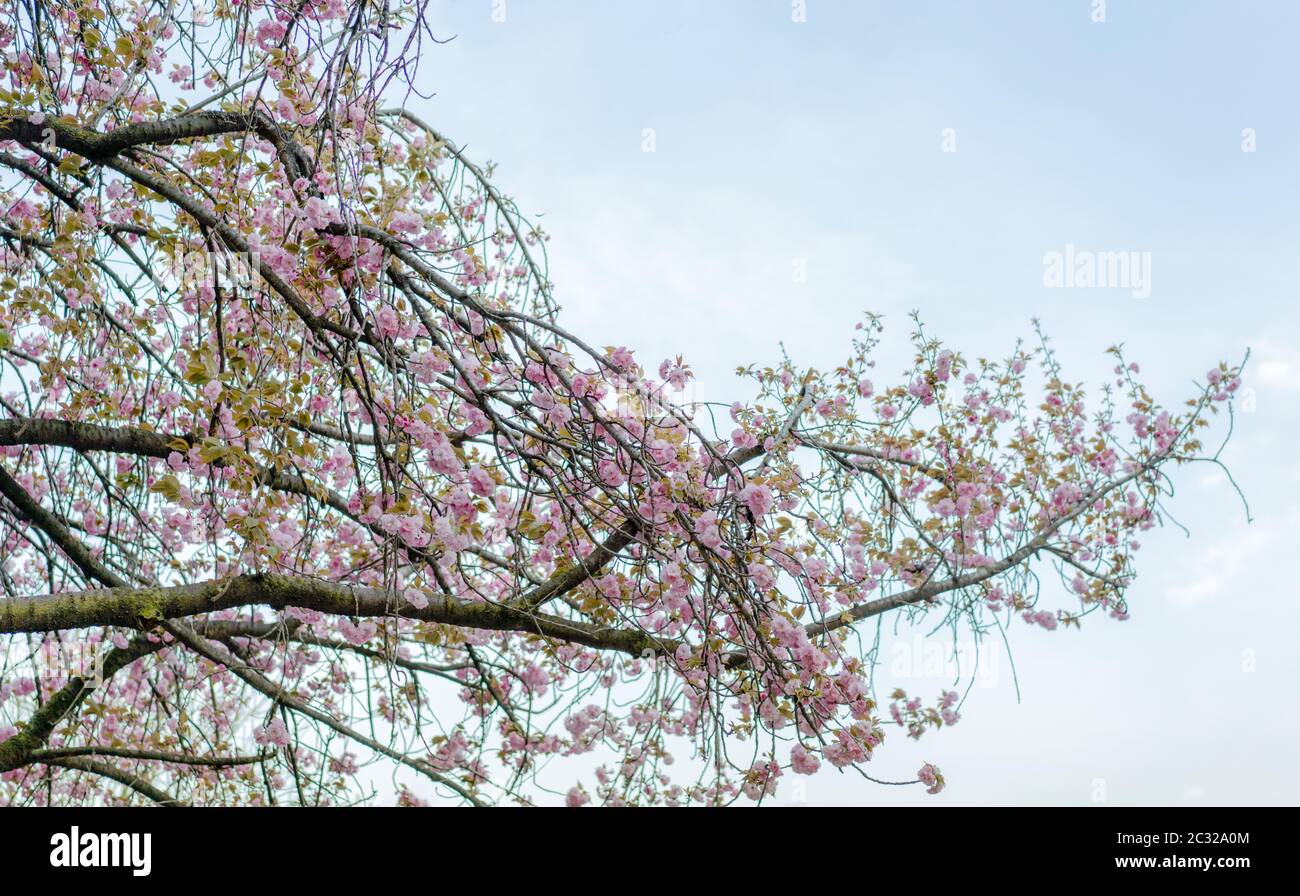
(777, 141)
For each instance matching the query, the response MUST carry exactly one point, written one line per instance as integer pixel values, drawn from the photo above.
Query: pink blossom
(273, 733)
(931, 777)
(802, 761)
(481, 481)
(356, 633)
(758, 498)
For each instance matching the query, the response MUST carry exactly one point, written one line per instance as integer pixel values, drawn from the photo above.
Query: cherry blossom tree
(308, 496)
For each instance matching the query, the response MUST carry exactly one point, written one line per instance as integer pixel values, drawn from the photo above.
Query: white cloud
(1275, 366)
(1218, 571)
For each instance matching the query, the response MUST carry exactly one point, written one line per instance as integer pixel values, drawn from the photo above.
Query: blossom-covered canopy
(308, 496)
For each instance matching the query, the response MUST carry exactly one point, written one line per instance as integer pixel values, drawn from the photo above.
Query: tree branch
(104, 770)
(131, 606)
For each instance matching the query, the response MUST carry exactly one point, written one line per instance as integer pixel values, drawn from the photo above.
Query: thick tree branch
(52, 526)
(18, 749)
(96, 146)
(112, 772)
(46, 756)
(135, 606)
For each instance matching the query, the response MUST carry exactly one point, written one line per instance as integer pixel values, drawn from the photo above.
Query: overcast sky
(821, 144)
